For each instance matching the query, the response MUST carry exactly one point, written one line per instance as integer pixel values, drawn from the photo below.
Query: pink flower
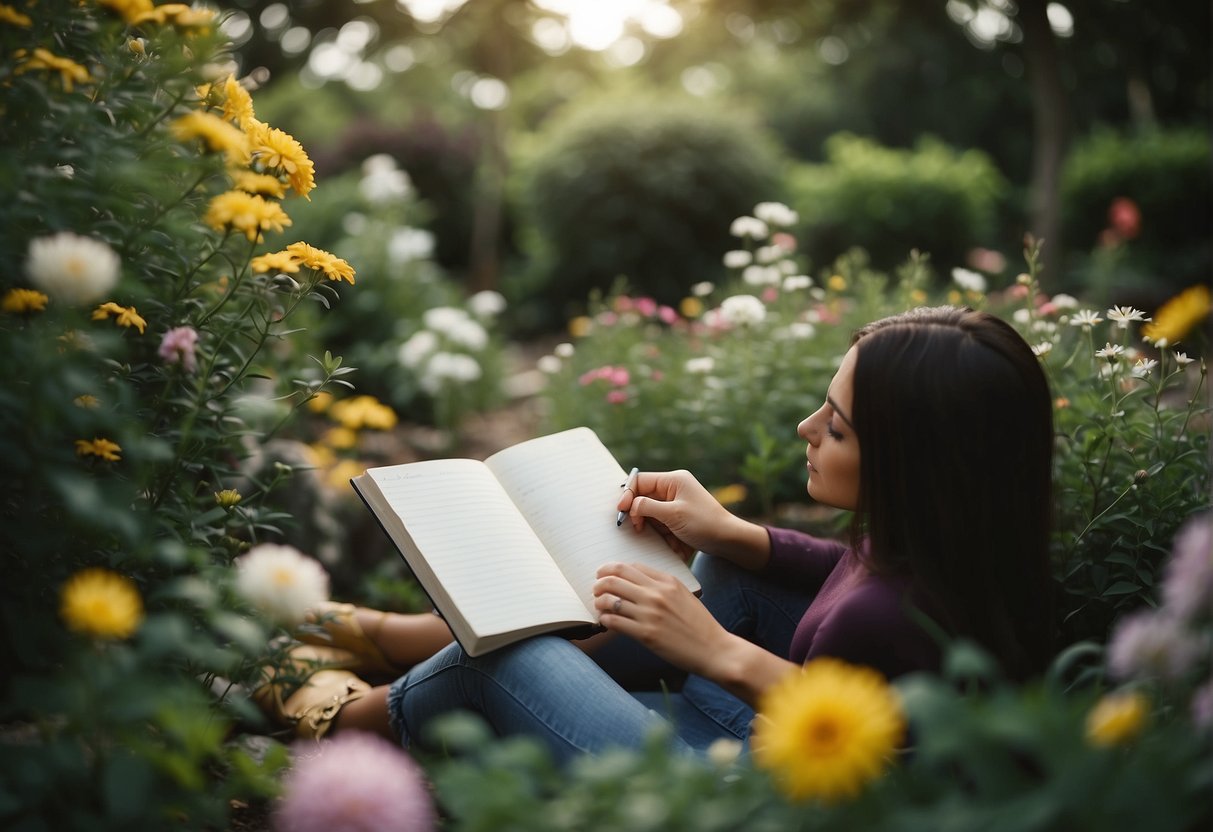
(617, 396)
(784, 240)
(668, 315)
(619, 376)
(1187, 589)
(178, 346)
(356, 782)
(607, 318)
(770, 294)
(623, 303)
(1151, 643)
(1125, 218)
(646, 307)
(1202, 706)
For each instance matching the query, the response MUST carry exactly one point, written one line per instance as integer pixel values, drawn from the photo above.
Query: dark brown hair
(955, 425)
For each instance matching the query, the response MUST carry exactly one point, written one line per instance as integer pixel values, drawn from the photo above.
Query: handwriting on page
(459, 517)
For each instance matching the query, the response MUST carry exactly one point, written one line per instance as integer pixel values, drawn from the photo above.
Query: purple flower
(355, 782)
(1151, 643)
(178, 345)
(1187, 589)
(1202, 706)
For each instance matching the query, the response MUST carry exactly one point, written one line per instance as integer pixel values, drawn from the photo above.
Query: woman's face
(833, 452)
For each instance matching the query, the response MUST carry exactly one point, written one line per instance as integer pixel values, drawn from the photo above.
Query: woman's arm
(691, 519)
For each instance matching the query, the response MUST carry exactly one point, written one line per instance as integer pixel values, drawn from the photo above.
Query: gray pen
(631, 483)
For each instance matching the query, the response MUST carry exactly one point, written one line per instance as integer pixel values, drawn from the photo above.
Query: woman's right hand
(691, 519)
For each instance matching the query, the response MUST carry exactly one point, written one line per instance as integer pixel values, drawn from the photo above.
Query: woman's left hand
(657, 610)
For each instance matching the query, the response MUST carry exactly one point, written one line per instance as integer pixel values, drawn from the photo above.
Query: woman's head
(954, 417)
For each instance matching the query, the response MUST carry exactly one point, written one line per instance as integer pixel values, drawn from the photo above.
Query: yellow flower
(259, 183)
(275, 150)
(730, 494)
(691, 307)
(836, 283)
(101, 603)
(103, 448)
(10, 15)
(321, 456)
(87, 400)
(277, 261)
(1175, 318)
(248, 213)
(23, 300)
(130, 10)
(314, 258)
(237, 103)
(340, 438)
(177, 14)
(124, 316)
(363, 412)
(216, 133)
(70, 72)
(338, 477)
(828, 729)
(320, 402)
(954, 297)
(1116, 718)
(228, 497)
(581, 326)
(918, 296)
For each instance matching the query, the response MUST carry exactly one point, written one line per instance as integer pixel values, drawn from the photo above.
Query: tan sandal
(338, 627)
(318, 684)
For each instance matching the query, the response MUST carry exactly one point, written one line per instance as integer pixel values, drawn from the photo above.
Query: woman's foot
(308, 688)
(382, 643)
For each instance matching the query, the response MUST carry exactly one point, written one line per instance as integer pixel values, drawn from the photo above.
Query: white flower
(740, 310)
(74, 269)
(1042, 349)
(382, 182)
(442, 318)
(486, 304)
(281, 581)
(468, 333)
(776, 213)
(797, 331)
(449, 366)
(797, 282)
(737, 258)
(1144, 367)
(1123, 315)
(787, 266)
(749, 227)
(564, 350)
(970, 281)
(1064, 301)
(768, 254)
(1087, 318)
(549, 364)
(760, 275)
(1182, 359)
(1021, 316)
(702, 289)
(703, 364)
(1110, 351)
(1044, 326)
(723, 752)
(408, 244)
(415, 350)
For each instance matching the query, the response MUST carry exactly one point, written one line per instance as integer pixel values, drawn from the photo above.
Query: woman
(936, 432)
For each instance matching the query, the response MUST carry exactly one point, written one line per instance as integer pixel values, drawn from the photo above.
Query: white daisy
(281, 581)
(74, 269)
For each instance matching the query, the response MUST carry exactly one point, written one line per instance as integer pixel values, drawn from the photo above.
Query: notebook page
(567, 485)
(479, 548)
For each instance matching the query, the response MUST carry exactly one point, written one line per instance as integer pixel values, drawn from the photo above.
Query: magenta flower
(667, 314)
(357, 782)
(178, 347)
(646, 307)
(617, 397)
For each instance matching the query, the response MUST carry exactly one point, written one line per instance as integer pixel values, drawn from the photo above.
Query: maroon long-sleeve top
(857, 616)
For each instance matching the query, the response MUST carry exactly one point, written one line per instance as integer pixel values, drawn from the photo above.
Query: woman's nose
(806, 432)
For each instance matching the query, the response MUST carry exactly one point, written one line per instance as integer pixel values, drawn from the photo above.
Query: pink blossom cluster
(648, 308)
(617, 377)
(178, 346)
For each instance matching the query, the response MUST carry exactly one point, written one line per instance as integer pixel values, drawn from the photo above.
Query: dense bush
(1144, 204)
(639, 187)
(889, 201)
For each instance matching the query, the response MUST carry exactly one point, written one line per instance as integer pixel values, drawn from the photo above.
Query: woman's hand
(691, 519)
(657, 610)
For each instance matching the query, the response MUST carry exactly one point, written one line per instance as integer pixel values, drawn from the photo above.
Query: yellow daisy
(87, 400)
(130, 10)
(314, 258)
(1176, 318)
(228, 497)
(275, 150)
(215, 133)
(10, 15)
(70, 72)
(1116, 718)
(339, 438)
(259, 183)
(320, 402)
(828, 729)
(103, 448)
(237, 103)
(178, 14)
(363, 412)
(101, 603)
(275, 261)
(124, 316)
(691, 307)
(23, 300)
(248, 213)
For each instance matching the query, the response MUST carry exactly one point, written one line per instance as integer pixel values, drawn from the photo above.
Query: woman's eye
(833, 433)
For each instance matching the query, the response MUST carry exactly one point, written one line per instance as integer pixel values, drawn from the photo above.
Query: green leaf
(1121, 588)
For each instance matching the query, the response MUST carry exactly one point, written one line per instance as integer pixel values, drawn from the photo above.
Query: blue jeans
(546, 688)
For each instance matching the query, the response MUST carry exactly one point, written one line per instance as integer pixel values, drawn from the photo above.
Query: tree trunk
(1050, 113)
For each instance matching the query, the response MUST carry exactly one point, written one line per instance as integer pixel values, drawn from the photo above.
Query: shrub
(148, 352)
(890, 201)
(640, 187)
(1144, 205)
